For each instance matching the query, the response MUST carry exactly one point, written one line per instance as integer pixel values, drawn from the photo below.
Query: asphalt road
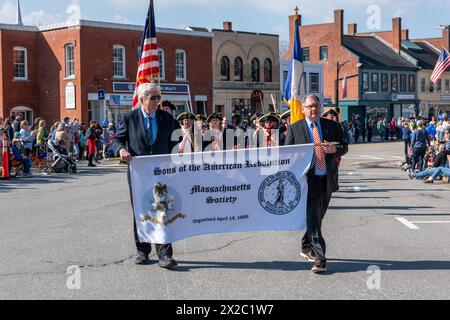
(50, 223)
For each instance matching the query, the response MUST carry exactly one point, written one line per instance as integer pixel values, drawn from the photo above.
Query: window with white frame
(162, 73)
(180, 64)
(119, 65)
(70, 60)
(20, 64)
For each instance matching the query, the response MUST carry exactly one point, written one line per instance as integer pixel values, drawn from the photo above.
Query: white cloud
(8, 12)
(119, 19)
(40, 18)
(74, 12)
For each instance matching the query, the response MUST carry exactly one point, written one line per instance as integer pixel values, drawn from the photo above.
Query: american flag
(148, 68)
(344, 87)
(442, 65)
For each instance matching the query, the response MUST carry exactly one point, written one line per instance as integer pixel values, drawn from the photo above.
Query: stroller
(62, 163)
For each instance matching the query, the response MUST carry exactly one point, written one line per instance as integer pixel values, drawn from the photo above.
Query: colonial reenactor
(269, 136)
(199, 132)
(331, 115)
(186, 119)
(284, 125)
(200, 120)
(238, 132)
(168, 107)
(214, 137)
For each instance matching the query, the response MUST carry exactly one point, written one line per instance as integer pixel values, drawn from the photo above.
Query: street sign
(101, 95)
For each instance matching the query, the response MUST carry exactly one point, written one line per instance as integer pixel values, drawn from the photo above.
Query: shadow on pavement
(379, 207)
(350, 265)
(37, 180)
(333, 265)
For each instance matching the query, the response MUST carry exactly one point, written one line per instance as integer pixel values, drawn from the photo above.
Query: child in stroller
(62, 160)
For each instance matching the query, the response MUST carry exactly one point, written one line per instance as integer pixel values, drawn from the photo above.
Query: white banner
(232, 191)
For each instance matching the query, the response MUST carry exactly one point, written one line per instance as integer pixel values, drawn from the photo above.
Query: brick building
(381, 81)
(434, 98)
(246, 71)
(58, 70)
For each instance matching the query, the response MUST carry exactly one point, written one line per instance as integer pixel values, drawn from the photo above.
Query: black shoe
(319, 267)
(167, 262)
(142, 258)
(91, 165)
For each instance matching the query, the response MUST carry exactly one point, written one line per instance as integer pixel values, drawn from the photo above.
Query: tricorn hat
(169, 104)
(200, 117)
(271, 116)
(185, 116)
(330, 111)
(215, 116)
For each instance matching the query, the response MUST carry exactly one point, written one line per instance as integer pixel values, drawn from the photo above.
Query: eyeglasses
(312, 106)
(153, 98)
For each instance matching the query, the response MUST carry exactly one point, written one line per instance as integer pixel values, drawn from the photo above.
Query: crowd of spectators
(27, 143)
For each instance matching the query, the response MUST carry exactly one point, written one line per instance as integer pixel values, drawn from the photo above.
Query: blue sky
(265, 16)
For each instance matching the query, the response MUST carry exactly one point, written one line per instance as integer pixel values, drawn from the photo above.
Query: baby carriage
(62, 162)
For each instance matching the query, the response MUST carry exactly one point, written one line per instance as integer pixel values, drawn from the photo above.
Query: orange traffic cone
(5, 158)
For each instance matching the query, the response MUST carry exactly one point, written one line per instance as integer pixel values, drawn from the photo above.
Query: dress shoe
(319, 267)
(308, 255)
(142, 258)
(167, 262)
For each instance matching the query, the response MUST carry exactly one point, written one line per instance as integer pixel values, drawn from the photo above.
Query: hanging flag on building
(344, 87)
(295, 88)
(442, 64)
(148, 68)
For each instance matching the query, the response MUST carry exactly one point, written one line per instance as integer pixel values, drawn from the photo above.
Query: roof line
(432, 46)
(100, 24)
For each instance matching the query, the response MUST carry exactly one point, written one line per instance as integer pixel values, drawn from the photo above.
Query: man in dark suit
(322, 176)
(146, 131)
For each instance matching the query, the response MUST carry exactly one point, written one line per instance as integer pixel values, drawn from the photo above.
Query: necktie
(149, 131)
(318, 150)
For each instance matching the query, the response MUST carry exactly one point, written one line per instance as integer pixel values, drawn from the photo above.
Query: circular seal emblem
(280, 193)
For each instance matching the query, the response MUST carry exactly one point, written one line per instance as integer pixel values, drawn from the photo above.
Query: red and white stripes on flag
(344, 87)
(442, 64)
(148, 68)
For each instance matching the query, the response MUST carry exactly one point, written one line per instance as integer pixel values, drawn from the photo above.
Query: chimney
(352, 29)
(397, 33)
(446, 37)
(405, 34)
(228, 26)
(339, 25)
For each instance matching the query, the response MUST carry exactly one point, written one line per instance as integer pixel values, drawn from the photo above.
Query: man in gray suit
(322, 176)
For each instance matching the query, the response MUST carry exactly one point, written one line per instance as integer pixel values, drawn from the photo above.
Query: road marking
(430, 221)
(410, 225)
